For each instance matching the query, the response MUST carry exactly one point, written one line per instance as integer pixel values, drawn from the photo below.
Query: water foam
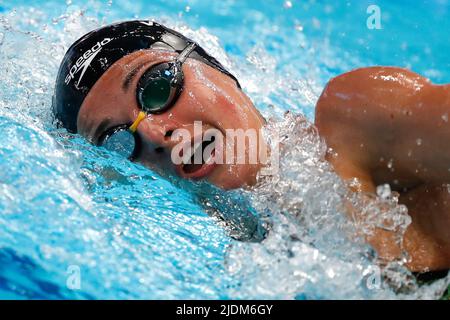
(312, 250)
(83, 206)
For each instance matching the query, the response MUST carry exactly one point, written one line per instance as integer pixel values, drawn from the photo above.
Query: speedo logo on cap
(85, 60)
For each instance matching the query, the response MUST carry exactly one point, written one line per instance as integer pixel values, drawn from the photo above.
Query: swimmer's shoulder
(377, 73)
(370, 89)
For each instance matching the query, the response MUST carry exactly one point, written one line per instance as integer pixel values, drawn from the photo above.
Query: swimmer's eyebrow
(130, 76)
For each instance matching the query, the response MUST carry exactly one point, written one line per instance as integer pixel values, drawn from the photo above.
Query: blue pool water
(79, 222)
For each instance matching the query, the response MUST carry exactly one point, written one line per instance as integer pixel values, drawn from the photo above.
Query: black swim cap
(90, 56)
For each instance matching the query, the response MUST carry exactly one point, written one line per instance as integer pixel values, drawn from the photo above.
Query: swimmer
(142, 78)
(130, 86)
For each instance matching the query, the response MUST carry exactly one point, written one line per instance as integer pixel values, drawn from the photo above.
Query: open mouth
(200, 164)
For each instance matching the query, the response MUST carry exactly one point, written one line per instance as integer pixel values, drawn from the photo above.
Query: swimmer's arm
(420, 243)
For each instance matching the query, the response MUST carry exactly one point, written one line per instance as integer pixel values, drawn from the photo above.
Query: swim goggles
(158, 89)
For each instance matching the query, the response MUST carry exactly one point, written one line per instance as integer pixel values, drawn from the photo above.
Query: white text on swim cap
(85, 60)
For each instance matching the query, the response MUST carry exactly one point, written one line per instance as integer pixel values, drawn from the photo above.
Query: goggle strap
(186, 52)
(141, 116)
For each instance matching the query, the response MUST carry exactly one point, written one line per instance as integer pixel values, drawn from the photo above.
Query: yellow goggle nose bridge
(141, 116)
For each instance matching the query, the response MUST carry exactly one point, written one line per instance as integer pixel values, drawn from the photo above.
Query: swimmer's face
(208, 96)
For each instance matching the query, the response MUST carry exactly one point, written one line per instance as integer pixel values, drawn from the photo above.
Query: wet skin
(390, 125)
(208, 96)
(384, 125)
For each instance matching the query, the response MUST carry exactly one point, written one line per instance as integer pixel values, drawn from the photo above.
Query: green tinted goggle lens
(155, 94)
(159, 87)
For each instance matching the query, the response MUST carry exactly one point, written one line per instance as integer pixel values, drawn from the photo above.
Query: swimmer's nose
(158, 132)
(156, 144)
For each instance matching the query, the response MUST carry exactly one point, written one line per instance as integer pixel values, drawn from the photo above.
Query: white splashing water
(311, 250)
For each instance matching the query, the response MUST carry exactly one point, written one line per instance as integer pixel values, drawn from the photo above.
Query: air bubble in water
(287, 4)
(384, 191)
(390, 164)
(298, 27)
